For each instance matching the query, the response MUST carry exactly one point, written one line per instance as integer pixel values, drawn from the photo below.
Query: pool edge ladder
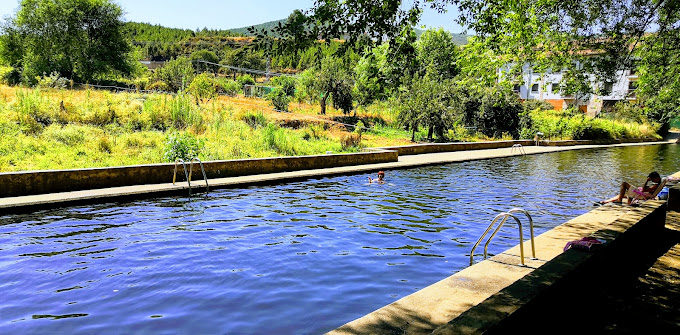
(190, 173)
(505, 216)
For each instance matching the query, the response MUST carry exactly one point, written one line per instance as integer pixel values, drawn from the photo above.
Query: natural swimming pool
(295, 258)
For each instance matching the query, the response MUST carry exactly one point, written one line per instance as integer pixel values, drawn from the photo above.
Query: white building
(546, 87)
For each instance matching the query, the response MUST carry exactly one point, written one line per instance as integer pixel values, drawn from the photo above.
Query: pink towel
(587, 243)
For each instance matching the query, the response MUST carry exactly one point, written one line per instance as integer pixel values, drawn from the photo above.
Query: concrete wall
(418, 149)
(40, 182)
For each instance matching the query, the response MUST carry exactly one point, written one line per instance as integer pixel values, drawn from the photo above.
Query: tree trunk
(430, 131)
(323, 103)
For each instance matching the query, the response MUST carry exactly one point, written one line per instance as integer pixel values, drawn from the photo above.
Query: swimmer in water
(380, 180)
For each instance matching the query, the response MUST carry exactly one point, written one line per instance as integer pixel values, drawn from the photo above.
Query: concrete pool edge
(19, 204)
(488, 293)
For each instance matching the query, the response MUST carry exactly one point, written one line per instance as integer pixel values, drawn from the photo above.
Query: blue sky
(226, 14)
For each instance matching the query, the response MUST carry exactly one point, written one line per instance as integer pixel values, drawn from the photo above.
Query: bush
(492, 111)
(351, 140)
(230, 87)
(255, 120)
(276, 139)
(204, 86)
(286, 84)
(159, 86)
(181, 146)
(9, 75)
(52, 81)
(176, 74)
(245, 79)
(279, 99)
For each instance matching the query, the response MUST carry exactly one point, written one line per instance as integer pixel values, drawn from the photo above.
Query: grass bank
(43, 129)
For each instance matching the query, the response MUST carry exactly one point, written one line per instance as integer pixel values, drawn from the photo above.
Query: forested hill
(459, 39)
(145, 32)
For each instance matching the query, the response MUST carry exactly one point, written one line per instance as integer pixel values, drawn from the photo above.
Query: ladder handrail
(521, 238)
(472, 252)
(205, 177)
(504, 217)
(531, 228)
(519, 148)
(174, 175)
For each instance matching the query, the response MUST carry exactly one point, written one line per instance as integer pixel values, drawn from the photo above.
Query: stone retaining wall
(41, 182)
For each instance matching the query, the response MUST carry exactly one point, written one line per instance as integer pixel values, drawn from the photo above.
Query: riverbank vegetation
(342, 93)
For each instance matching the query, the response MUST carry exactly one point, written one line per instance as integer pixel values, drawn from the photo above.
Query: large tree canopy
(599, 37)
(79, 39)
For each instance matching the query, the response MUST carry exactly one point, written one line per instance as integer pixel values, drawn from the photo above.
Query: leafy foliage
(331, 78)
(79, 39)
(181, 146)
(279, 99)
(204, 87)
(176, 74)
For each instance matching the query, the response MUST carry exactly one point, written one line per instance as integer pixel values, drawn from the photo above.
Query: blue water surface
(295, 258)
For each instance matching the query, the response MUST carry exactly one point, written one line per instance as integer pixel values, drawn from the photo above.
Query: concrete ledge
(486, 294)
(429, 148)
(571, 269)
(42, 182)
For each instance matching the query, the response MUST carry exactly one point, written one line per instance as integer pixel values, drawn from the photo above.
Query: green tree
(426, 102)
(437, 51)
(286, 84)
(176, 74)
(79, 39)
(548, 34)
(204, 87)
(330, 79)
(205, 60)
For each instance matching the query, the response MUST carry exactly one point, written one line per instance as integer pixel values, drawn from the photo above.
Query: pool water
(296, 258)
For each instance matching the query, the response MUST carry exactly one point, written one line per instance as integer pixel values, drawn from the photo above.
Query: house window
(632, 85)
(608, 87)
(555, 88)
(534, 88)
(515, 88)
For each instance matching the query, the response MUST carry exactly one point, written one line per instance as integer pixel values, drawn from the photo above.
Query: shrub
(104, 145)
(9, 75)
(254, 120)
(350, 140)
(230, 87)
(159, 86)
(181, 146)
(204, 86)
(279, 99)
(69, 135)
(52, 81)
(286, 84)
(245, 79)
(276, 139)
(176, 73)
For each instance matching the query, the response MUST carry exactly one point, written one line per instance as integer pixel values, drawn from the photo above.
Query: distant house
(546, 87)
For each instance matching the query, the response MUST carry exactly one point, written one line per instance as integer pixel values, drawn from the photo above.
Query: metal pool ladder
(191, 168)
(519, 148)
(504, 217)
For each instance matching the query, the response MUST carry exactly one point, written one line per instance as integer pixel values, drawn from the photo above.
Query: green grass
(70, 129)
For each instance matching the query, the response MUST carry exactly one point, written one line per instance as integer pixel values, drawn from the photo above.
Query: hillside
(459, 39)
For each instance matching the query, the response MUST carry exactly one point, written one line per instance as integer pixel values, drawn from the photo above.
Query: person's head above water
(381, 175)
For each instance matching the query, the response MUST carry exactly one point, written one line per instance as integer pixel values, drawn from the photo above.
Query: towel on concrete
(587, 243)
